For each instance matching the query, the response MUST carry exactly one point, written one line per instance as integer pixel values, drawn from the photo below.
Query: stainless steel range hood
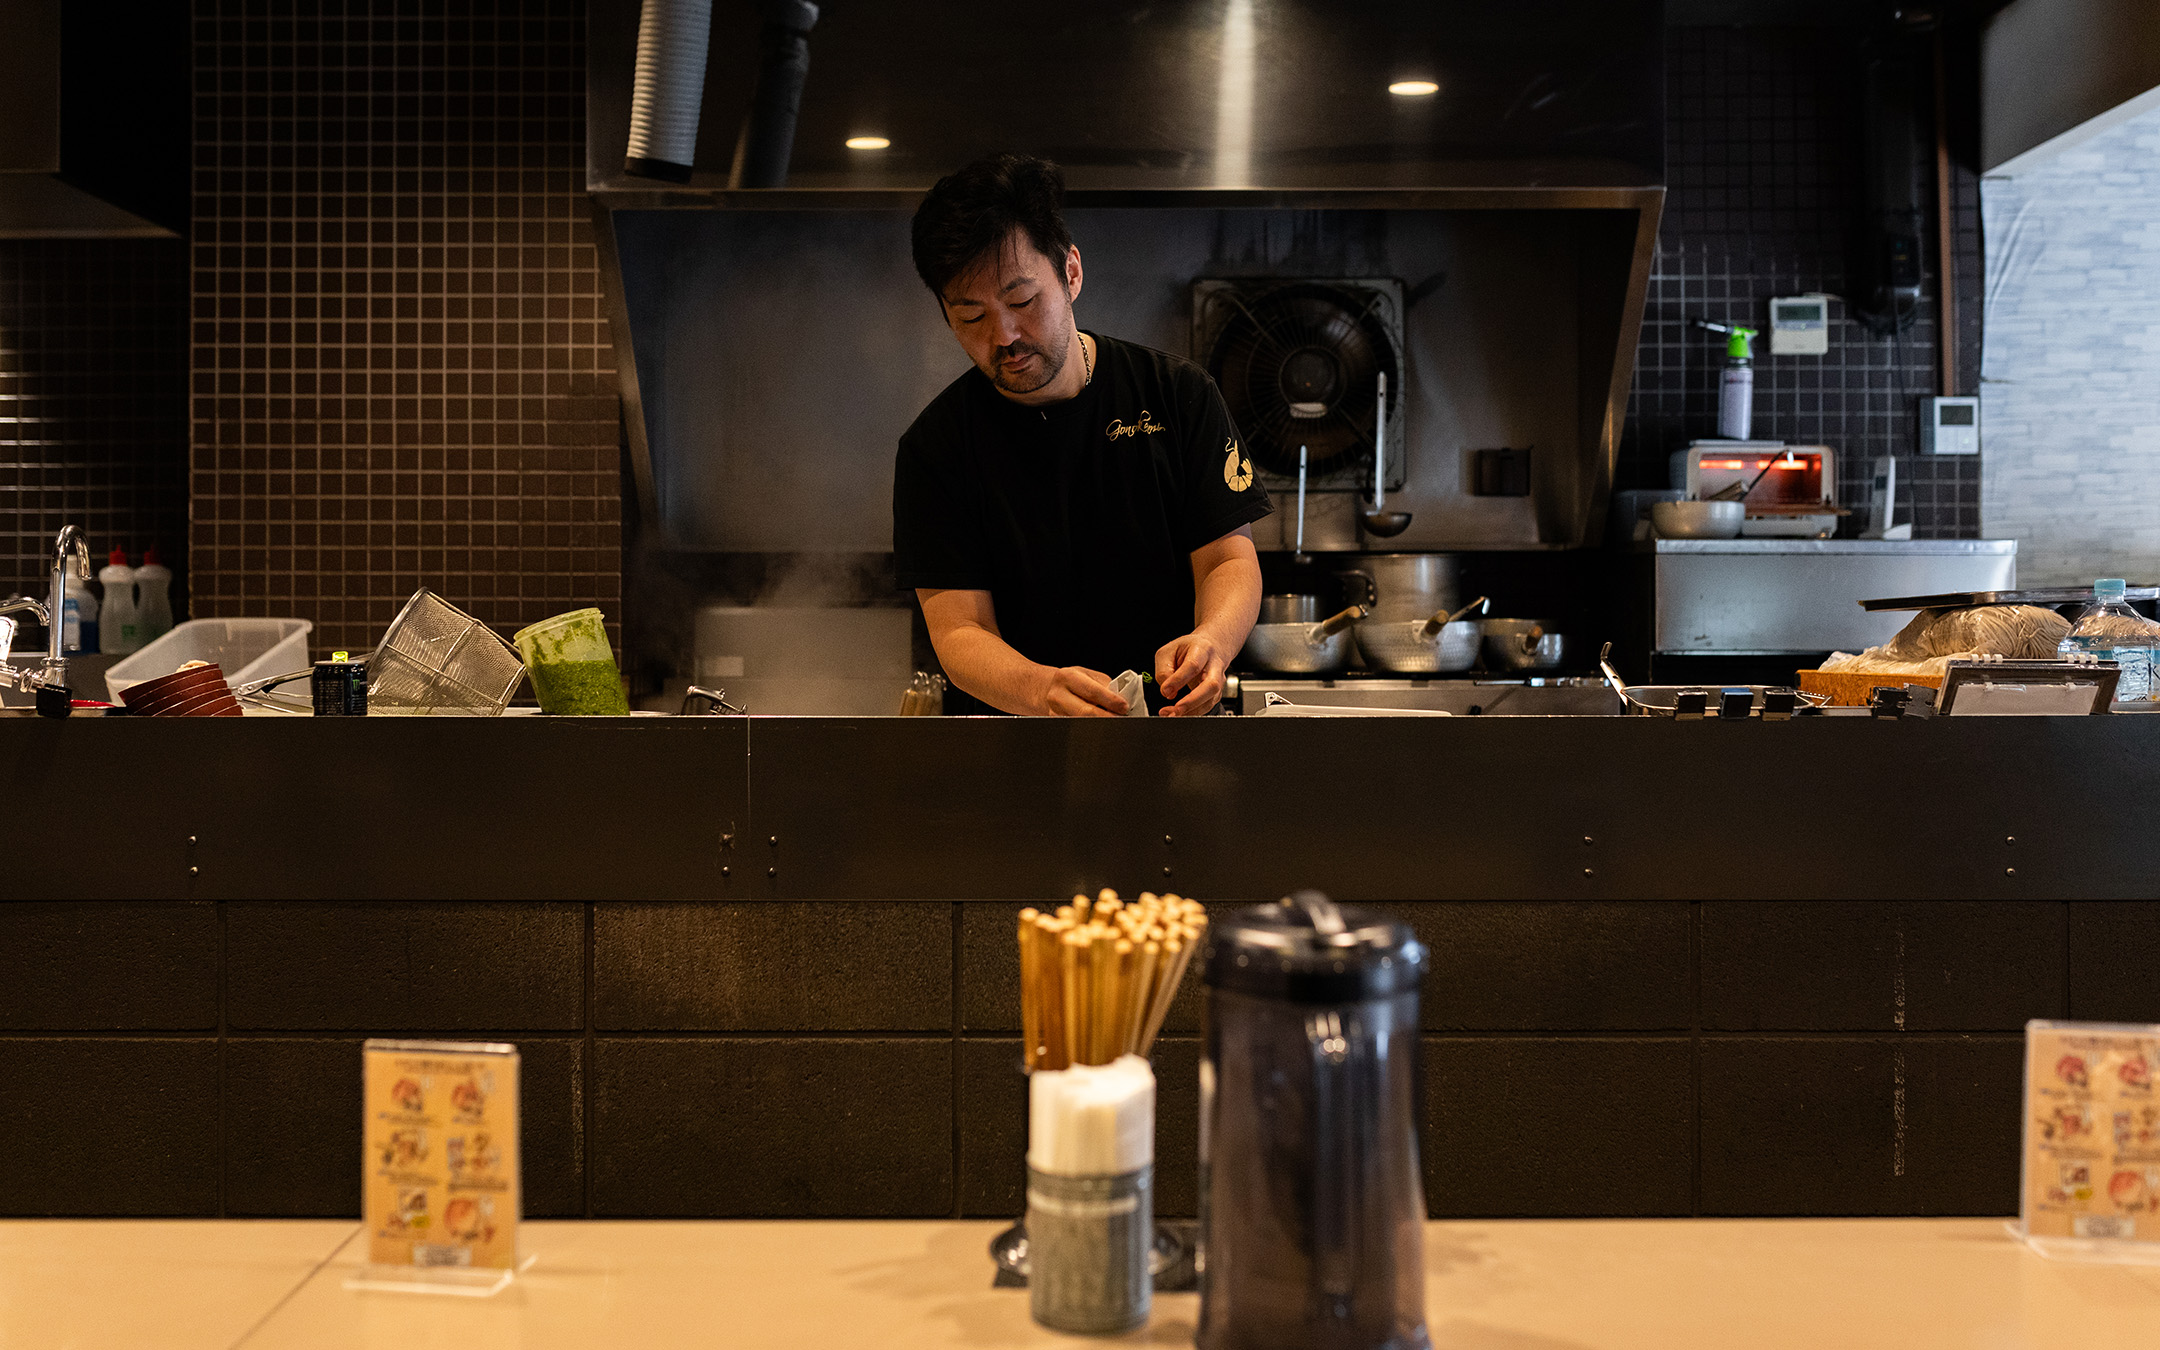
(93, 119)
(1168, 96)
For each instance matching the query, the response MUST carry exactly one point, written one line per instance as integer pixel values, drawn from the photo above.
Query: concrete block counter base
(1673, 1284)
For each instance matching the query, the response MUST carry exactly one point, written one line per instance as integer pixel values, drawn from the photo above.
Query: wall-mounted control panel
(1950, 426)
(1800, 325)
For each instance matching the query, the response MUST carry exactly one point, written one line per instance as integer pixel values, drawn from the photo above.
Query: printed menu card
(2092, 1133)
(440, 1172)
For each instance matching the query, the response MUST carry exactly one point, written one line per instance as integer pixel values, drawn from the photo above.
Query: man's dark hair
(973, 211)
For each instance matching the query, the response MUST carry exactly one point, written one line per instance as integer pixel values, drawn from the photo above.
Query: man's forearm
(1226, 601)
(987, 666)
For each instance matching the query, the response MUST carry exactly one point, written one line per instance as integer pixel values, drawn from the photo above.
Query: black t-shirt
(1080, 518)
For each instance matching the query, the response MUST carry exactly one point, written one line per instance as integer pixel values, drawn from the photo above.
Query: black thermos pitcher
(1312, 1209)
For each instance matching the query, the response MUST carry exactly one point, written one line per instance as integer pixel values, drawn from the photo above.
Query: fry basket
(436, 658)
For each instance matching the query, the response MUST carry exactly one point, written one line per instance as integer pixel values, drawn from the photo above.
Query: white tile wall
(2070, 376)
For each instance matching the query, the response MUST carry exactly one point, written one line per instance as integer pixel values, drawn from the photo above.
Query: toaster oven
(1795, 486)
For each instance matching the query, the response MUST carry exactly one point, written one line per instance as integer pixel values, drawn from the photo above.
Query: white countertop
(1912, 1284)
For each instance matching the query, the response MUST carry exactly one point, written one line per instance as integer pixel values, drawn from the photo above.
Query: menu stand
(2090, 1184)
(440, 1172)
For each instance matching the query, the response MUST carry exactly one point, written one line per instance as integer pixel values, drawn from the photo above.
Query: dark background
(819, 1058)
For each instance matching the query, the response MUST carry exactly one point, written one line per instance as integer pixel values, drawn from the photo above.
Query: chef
(1074, 504)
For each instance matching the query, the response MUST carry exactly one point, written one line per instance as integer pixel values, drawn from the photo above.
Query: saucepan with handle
(1302, 648)
(1445, 642)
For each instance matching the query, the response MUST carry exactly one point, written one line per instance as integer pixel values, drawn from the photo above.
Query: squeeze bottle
(119, 626)
(153, 584)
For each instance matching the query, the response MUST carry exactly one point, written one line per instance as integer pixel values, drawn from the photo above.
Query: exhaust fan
(1299, 362)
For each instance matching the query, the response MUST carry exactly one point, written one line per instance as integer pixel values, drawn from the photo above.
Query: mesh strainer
(436, 658)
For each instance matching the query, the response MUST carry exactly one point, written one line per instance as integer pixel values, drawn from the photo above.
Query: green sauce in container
(572, 667)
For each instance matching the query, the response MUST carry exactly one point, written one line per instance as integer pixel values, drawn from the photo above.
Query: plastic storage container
(572, 667)
(247, 650)
(2109, 630)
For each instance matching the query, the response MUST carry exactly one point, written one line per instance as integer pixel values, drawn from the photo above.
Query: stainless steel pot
(1523, 644)
(1302, 648)
(1402, 585)
(1443, 643)
(1289, 608)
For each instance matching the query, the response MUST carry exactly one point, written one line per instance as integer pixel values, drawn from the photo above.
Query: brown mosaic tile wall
(93, 398)
(402, 376)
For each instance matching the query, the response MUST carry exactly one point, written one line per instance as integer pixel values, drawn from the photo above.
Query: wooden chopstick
(1097, 977)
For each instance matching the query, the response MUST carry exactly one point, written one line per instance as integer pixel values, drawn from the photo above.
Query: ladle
(1379, 522)
(1298, 554)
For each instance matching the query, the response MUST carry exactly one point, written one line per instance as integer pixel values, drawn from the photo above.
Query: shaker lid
(1307, 949)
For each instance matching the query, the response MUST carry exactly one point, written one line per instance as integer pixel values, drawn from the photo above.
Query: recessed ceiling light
(1413, 88)
(867, 143)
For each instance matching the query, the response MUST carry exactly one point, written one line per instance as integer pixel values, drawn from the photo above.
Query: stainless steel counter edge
(1874, 547)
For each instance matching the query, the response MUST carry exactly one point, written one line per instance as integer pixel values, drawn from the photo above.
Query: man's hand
(1076, 691)
(1193, 666)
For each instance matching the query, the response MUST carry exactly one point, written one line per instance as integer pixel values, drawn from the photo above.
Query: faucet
(23, 604)
(18, 677)
(69, 541)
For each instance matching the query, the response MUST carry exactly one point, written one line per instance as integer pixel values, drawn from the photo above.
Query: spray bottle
(1736, 390)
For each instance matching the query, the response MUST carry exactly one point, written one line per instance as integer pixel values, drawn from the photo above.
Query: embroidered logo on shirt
(1118, 427)
(1236, 469)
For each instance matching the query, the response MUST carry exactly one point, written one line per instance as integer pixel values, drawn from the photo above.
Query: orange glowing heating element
(1785, 479)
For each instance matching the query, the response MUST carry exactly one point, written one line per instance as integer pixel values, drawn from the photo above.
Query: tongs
(257, 692)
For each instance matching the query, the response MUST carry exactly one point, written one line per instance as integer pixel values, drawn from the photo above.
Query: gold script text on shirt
(1119, 428)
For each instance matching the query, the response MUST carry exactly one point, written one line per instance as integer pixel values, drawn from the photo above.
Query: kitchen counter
(918, 808)
(1911, 1284)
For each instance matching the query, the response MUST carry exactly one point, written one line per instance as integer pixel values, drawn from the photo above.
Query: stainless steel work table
(1912, 1284)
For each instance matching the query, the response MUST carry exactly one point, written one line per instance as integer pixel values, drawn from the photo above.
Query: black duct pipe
(768, 135)
(670, 88)
(1885, 294)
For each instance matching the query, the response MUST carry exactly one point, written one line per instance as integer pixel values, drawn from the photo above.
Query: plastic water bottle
(2109, 630)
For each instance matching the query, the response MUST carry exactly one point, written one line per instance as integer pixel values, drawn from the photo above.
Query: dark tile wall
(401, 375)
(1604, 1058)
(93, 402)
(1762, 148)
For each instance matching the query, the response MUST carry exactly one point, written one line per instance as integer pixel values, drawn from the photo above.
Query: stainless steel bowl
(1400, 646)
(1288, 649)
(1510, 645)
(1697, 520)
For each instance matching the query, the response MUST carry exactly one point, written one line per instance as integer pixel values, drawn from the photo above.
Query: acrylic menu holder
(2090, 1184)
(441, 1194)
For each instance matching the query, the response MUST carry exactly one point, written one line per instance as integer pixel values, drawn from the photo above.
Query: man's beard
(1048, 367)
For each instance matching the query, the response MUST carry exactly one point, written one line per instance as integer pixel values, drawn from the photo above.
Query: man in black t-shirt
(1073, 505)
